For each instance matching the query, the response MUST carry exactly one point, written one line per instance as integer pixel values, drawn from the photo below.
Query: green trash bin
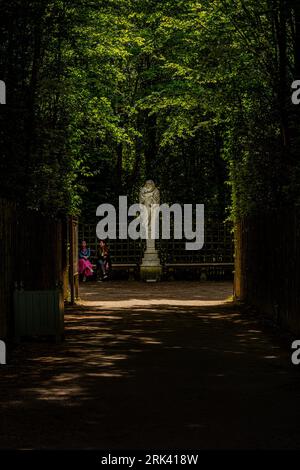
(39, 313)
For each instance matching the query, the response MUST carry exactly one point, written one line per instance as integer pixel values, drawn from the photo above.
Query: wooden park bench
(204, 269)
(215, 260)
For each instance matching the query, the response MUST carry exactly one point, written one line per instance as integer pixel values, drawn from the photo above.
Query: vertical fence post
(238, 261)
(73, 257)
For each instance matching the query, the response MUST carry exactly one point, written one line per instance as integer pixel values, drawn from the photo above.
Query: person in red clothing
(85, 267)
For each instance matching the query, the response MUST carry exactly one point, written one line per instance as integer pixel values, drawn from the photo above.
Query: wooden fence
(267, 265)
(34, 255)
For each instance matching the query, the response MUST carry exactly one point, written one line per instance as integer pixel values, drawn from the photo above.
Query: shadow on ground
(171, 365)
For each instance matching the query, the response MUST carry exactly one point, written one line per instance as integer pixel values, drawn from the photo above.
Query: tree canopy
(193, 94)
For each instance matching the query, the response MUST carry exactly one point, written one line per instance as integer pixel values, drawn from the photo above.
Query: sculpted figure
(150, 198)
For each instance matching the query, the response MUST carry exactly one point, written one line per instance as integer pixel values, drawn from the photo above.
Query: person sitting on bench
(103, 260)
(85, 267)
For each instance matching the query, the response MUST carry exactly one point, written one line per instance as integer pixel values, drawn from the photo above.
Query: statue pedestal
(151, 269)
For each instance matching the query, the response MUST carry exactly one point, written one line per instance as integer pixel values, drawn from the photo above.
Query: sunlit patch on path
(152, 365)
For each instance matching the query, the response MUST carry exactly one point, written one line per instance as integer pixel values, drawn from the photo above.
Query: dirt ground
(170, 365)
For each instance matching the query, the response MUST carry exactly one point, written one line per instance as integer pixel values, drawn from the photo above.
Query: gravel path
(170, 365)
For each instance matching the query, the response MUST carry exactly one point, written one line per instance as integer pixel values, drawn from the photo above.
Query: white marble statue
(150, 269)
(150, 198)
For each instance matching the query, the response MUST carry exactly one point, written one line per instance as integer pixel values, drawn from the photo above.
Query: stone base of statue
(151, 269)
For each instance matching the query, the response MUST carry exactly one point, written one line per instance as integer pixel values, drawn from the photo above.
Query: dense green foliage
(193, 94)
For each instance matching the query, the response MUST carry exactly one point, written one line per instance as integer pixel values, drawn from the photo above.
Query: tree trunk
(119, 183)
(282, 83)
(151, 147)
